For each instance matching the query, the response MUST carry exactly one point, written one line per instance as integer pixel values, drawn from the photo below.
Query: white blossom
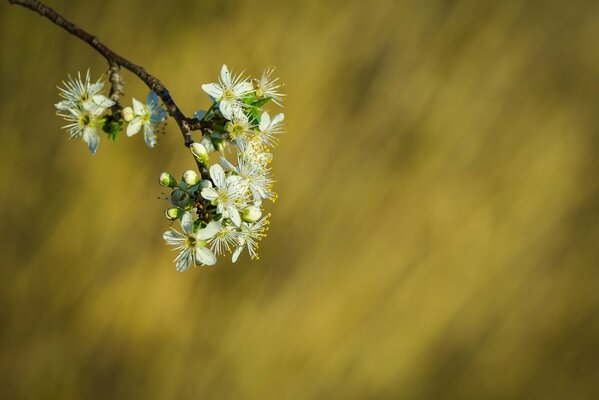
(228, 91)
(228, 193)
(149, 115)
(270, 128)
(268, 87)
(84, 123)
(250, 235)
(83, 94)
(192, 247)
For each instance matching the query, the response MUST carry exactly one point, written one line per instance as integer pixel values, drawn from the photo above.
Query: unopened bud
(191, 177)
(173, 213)
(207, 143)
(179, 198)
(167, 180)
(128, 114)
(199, 151)
(251, 214)
(219, 144)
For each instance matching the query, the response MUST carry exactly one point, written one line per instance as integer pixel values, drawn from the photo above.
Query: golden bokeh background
(436, 236)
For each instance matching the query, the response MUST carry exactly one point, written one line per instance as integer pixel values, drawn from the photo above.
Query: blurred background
(436, 236)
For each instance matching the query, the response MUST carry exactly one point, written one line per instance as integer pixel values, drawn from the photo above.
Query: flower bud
(167, 180)
(173, 213)
(207, 143)
(179, 198)
(251, 214)
(219, 144)
(199, 151)
(191, 177)
(128, 114)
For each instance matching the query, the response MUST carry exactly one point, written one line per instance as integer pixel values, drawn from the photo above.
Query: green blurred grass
(436, 234)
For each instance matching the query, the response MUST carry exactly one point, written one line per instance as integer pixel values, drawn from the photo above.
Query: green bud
(167, 180)
(190, 177)
(219, 144)
(173, 213)
(251, 214)
(179, 198)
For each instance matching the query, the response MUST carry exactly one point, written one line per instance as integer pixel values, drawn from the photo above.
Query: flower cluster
(84, 107)
(220, 208)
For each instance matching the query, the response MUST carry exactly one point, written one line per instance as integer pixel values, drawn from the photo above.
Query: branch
(114, 60)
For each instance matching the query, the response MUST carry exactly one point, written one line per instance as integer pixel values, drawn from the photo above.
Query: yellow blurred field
(436, 235)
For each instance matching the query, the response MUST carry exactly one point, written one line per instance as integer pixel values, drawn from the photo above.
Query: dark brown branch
(185, 124)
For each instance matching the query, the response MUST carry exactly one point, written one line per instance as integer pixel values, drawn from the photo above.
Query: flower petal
(264, 121)
(187, 223)
(234, 215)
(226, 109)
(242, 88)
(138, 107)
(236, 253)
(150, 136)
(209, 231)
(277, 119)
(90, 136)
(134, 126)
(183, 260)
(225, 75)
(213, 89)
(204, 256)
(227, 164)
(173, 237)
(102, 101)
(218, 175)
(152, 100)
(209, 194)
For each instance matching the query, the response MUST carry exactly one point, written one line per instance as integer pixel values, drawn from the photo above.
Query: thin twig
(185, 124)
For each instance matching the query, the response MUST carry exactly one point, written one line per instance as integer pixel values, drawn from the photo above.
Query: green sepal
(261, 102)
(112, 126)
(249, 99)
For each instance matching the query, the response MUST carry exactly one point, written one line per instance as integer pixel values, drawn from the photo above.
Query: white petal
(90, 136)
(102, 101)
(242, 88)
(183, 260)
(173, 237)
(204, 256)
(218, 175)
(236, 253)
(63, 105)
(227, 164)
(209, 194)
(209, 231)
(234, 215)
(225, 75)
(278, 118)
(213, 89)
(226, 109)
(134, 126)
(187, 223)
(264, 121)
(138, 107)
